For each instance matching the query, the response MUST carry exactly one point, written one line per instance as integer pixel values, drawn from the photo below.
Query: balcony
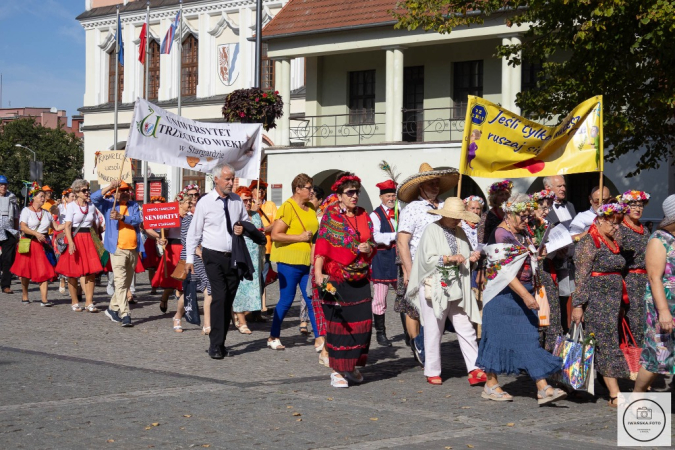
(418, 125)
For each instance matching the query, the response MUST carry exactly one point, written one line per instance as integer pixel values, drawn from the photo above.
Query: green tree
(621, 49)
(61, 153)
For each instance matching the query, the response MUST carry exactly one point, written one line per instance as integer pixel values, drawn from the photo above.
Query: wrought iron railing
(340, 129)
(433, 124)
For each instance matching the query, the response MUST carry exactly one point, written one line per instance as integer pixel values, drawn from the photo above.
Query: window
(153, 69)
(112, 59)
(530, 73)
(413, 104)
(362, 97)
(189, 66)
(267, 70)
(468, 80)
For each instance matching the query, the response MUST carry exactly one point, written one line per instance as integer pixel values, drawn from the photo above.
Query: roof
(132, 6)
(316, 16)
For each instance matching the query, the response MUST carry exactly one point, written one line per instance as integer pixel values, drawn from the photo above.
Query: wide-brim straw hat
(454, 209)
(409, 189)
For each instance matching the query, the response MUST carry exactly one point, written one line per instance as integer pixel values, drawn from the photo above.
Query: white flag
(159, 136)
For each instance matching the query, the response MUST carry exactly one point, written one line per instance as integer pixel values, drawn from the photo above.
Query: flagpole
(117, 74)
(601, 143)
(144, 164)
(178, 170)
(459, 186)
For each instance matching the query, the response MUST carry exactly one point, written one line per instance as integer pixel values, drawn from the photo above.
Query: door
(413, 104)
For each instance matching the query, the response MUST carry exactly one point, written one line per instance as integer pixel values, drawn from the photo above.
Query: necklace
(83, 211)
(354, 225)
(640, 230)
(39, 217)
(614, 248)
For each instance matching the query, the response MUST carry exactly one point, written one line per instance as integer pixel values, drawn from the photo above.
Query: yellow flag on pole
(500, 144)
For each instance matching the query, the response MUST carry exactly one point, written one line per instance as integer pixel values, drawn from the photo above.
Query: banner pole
(602, 188)
(117, 74)
(144, 164)
(117, 191)
(459, 186)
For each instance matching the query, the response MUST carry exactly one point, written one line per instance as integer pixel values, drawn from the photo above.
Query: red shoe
(477, 377)
(436, 381)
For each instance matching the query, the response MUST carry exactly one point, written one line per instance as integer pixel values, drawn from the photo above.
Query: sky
(42, 54)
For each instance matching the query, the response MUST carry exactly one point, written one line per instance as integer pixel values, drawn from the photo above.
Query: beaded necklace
(85, 211)
(640, 230)
(39, 217)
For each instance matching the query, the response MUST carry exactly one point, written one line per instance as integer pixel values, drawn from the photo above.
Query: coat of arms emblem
(228, 64)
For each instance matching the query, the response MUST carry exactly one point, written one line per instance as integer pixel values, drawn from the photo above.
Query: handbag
(578, 355)
(24, 246)
(544, 307)
(630, 352)
(180, 273)
(190, 300)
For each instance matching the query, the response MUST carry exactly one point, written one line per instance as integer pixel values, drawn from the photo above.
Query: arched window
(189, 66)
(153, 70)
(112, 59)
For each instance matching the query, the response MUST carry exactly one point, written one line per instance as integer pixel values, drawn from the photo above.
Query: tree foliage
(61, 153)
(621, 49)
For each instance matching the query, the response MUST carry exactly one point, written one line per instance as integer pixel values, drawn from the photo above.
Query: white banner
(159, 136)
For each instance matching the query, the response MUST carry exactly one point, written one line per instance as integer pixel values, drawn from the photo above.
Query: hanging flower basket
(254, 106)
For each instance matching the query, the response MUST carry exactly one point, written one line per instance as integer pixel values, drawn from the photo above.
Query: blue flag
(120, 44)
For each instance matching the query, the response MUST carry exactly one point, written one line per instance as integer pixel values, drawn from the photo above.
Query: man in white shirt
(214, 222)
(384, 269)
(583, 221)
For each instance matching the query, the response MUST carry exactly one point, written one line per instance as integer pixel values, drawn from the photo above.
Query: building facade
(47, 117)
(377, 93)
(217, 58)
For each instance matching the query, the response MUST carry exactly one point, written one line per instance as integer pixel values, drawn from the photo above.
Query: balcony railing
(340, 129)
(418, 125)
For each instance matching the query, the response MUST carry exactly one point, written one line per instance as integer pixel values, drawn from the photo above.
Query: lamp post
(23, 146)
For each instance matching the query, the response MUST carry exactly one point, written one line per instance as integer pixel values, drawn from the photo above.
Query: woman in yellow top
(292, 234)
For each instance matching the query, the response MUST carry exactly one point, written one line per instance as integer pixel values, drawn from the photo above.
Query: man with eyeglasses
(583, 221)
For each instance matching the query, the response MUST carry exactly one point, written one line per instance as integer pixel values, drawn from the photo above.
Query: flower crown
(612, 208)
(180, 197)
(344, 179)
(546, 194)
(474, 198)
(634, 196)
(505, 185)
(33, 191)
(190, 187)
(158, 198)
(518, 207)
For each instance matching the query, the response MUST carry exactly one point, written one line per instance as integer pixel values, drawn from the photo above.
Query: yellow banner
(500, 144)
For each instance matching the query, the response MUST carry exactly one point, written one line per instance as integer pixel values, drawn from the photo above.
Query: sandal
(206, 331)
(436, 381)
(177, 326)
(132, 300)
(491, 393)
(164, 305)
(476, 377)
(323, 360)
(303, 330)
(543, 398)
(92, 309)
(338, 381)
(275, 344)
(76, 307)
(611, 402)
(47, 304)
(25, 301)
(320, 347)
(355, 376)
(244, 329)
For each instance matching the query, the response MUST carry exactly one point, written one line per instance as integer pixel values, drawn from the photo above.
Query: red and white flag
(141, 46)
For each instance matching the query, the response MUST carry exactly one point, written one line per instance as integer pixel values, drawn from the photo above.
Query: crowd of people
(453, 266)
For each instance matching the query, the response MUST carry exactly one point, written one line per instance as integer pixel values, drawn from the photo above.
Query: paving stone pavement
(77, 380)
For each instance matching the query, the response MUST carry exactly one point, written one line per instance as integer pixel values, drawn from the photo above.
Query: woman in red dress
(151, 260)
(81, 259)
(35, 265)
(172, 248)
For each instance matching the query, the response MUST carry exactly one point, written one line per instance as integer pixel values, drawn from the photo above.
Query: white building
(217, 58)
(374, 93)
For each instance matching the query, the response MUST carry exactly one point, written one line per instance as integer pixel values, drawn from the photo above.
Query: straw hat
(454, 209)
(668, 211)
(409, 191)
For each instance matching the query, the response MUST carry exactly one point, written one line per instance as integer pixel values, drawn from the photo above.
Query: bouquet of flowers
(449, 273)
(326, 287)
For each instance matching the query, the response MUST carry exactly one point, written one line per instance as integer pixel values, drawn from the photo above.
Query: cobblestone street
(77, 380)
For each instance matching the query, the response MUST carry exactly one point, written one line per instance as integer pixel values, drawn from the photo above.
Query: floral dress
(249, 293)
(600, 289)
(658, 354)
(633, 247)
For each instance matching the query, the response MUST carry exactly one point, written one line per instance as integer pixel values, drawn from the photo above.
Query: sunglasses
(352, 193)
(85, 191)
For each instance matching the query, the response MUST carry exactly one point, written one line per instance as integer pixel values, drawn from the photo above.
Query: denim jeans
(290, 276)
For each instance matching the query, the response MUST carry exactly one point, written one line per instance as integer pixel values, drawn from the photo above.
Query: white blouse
(36, 221)
(76, 215)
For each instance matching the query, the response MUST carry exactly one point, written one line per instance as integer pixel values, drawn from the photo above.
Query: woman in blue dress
(249, 293)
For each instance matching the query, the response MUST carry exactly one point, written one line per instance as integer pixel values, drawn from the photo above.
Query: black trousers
(7, 259)
(224, 283)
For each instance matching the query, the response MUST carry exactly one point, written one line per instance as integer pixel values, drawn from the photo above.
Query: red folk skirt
(84, 261)
(139, 266)
(33, 265)
(168, 261)
(151, 260)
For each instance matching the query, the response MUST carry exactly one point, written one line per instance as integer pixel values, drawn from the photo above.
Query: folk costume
(85, 260)
(384, 269)
(349, 311)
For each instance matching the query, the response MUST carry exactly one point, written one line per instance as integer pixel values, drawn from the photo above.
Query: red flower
(241, 114)
(264, 95)
(276, 92)
(257, 99)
